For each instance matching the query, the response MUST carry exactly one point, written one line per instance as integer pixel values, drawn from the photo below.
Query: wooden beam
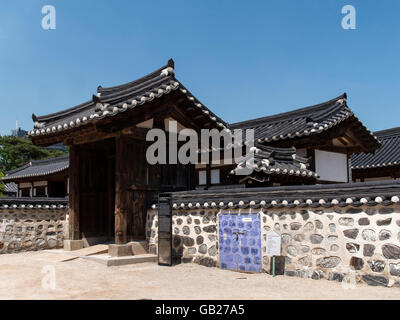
(74, 170)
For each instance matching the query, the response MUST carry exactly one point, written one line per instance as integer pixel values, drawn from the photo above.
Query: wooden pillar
(74, 170)
(121, 193)
(110, 199)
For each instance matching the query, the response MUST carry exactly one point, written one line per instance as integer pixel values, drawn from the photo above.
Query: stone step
(105, 259)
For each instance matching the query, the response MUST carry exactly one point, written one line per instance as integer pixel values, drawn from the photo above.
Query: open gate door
(240, 242)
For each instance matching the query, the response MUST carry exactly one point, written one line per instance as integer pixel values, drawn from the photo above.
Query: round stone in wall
(203, 249)
(197, 221)
(319, 225)
(26, 244)
(363, 221)
(295, 226)
(188, 241)
(348, 222)
(206, 219)
(328, 262)
(299, 237)
(316, 238)
(357, 263)
(384, 222)
(199, 240)
(384, 235)
(192, 250)
(309, 226)
(179, 221)
(176, 230)
(334, 248)
(40, 243)
(212, 237)
(210, 229)
(305, 249)
(332, 227)
(197, 229)
(395, 269)
(391, 251)
(305, 261)
(376, 265)
(186, 230)
(52, 243)
(189, 220)
(368, 250)
(352, 247)
(277, 227)
(267, 228)
(351, 233)
(368, 235)
(212, 251)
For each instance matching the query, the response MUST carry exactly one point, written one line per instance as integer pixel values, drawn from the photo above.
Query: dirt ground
(21, 277)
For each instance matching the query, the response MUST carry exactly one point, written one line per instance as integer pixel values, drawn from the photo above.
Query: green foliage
(1, 184)
(15, 152)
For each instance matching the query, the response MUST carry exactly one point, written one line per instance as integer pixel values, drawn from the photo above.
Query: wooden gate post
(121, 193)
(74, 192)
(165, 230)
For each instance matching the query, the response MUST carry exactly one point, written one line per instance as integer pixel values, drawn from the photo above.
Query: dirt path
(21, 278)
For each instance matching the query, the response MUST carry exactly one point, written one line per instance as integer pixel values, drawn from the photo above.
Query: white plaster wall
(331, 166)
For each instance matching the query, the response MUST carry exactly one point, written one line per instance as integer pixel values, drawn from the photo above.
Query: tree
(15, 152)
(1, 184)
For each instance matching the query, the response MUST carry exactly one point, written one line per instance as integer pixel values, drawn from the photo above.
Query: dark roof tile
(387, 155)
(38, 168)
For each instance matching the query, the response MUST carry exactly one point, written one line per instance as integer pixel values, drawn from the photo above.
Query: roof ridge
(49, 160)
(59, 114)
(296, 112)
(113, 89)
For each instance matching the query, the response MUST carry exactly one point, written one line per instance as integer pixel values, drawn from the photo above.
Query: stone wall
(351, 244)
(30, 228)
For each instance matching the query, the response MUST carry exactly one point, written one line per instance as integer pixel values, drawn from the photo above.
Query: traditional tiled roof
(11, 188)
(115, 100)
(387, 155)
(270, 161)
(308, 121)
(315, 196)
(33, 203)
(38, 168)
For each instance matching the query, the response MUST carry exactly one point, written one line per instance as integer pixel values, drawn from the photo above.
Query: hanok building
(112, 184)
(384, 164)
(39, 178)
(327, 134)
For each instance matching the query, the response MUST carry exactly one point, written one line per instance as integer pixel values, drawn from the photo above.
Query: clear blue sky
(243, 59)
